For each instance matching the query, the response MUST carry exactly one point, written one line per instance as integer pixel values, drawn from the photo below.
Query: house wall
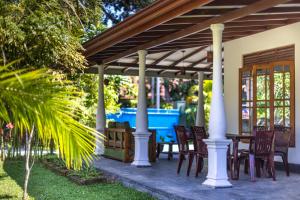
(233, 55)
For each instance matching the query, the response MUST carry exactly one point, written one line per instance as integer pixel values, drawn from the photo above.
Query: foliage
(55, 160)
(192, 99)
(45, 32)
(190, 111)
(166, 105)
(37, 98)
(179, 88)
(92, 30)
(116, 11)
(46, 185)
(86, 172)
(111, 98)
(118, 87)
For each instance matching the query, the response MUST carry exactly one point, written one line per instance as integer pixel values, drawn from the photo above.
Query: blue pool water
(162, 120)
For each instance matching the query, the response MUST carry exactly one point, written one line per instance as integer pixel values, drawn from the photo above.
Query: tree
(46, 33)
(116, 11)
(42, 105)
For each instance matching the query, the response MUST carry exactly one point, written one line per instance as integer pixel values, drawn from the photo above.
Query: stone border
(64, 172)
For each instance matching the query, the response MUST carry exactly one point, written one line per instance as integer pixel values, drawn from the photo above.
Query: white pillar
(152, 90)
(157, 92)
(217, 142)
(100, 116)
(200, 117)
(141, 134)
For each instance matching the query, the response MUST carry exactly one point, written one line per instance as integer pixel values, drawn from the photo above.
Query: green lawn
(44, 184)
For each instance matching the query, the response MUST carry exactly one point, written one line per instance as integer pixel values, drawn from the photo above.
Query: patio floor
(162, 182)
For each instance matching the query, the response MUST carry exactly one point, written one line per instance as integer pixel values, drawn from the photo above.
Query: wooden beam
(162, 58)
(127, 68)
(261, 17)
(198, 62)
(159, 67)
(198, 50)
(148, 73)
(230, 16)
(149, 18)
(270, 17)
(220, 10)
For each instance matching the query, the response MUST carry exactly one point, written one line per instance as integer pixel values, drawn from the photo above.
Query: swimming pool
(162, 120)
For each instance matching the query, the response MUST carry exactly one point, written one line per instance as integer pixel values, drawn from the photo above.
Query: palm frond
(36, 97)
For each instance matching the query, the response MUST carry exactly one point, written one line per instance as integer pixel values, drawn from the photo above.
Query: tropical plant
(43, 106)
(192, 99)
(46, 33)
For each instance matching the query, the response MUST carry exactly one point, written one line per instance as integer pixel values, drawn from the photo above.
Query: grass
(44, 184)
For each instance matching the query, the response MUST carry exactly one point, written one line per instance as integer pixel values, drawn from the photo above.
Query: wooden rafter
(227, 17)
(192, 65)
(163, 57)
(198, 50)
(127, 68)
(198, 19)
(158, 13)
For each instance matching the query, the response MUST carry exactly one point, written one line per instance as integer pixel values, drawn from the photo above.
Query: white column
(100, 116)
(152, 90)
(217, 142)
(200, 117)
(157, 92)
(141, 135)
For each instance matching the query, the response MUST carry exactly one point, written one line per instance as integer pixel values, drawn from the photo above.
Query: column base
(217, 163)
(141, 155)
(217, 183)
(141, 163)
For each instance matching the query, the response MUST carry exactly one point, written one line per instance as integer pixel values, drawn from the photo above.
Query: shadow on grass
(15, 169)
(7, 197)
(2, 177)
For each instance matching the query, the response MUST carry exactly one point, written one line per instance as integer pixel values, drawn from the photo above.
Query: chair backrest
(258, 128)
(282, 136)
(182, 138)
(264, 142)
(199, 134)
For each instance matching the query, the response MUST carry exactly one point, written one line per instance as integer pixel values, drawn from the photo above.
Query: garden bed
(86, 176)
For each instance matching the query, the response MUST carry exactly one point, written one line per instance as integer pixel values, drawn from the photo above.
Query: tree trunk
(167, 93)
(27, 162)
(51, 146)
(2, 146)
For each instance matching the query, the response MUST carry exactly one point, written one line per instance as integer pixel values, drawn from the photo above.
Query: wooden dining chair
(244, 152)
(183, 145)
(263, 149)
(200, 149)
(282, 141)
(259, 128)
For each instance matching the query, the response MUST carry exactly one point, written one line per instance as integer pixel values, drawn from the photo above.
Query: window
(267, 96)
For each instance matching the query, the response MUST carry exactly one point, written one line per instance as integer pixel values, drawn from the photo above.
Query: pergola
(161, 32)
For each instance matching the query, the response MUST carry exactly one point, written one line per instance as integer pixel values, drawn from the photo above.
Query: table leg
(235, 172)
(158, 150)
(252, 164)
(170, 153)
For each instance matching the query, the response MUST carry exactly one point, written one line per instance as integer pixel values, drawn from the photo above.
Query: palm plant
(44, 106)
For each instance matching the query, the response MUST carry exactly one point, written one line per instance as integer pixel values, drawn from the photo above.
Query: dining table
(236, 139)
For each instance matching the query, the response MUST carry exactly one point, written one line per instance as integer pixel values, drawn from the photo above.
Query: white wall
(233, 52)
